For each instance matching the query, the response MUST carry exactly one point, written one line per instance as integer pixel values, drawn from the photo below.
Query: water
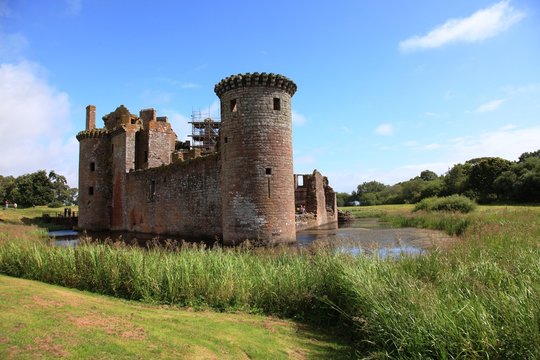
(67, 238)
(371, 237)
(363, 236)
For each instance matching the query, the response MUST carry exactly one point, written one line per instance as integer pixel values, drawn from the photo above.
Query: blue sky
(386, 89)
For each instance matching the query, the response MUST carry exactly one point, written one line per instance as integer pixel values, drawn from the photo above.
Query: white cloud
(179, 123)
(410, 143)
(481, 25)
(298, 119)
(490, 106)
(153, 98)
(305, 160)
(384, 129)
(522, 89)
(508, 127)
(412, 170)
(432, 146)
(190, 86)
(507, 142)
(34, 124)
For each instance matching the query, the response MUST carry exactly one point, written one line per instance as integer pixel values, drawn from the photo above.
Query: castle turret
(257, 160)
(94, 175)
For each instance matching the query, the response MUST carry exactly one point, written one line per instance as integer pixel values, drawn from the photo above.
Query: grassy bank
(479, 298)
(44, 321)
(33, 216)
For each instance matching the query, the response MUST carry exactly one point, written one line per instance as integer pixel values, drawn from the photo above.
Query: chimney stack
(90, 117)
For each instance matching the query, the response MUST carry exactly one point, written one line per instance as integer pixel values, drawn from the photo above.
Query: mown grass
(479, 298)
(33, 216)
(39, 321)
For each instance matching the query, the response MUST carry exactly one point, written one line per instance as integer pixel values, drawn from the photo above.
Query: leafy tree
(368, 192)
(527, 155)
(38, 188)
(33, 189)
(456, 180)
(482, 176)
(412, 190)
(527, 184)
(505, 183)
(343, 198)
(62, 193)
(428, 175)
(432, 188)
(370, 187)
(7, 185)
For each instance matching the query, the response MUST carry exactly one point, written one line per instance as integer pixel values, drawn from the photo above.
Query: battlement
(93, 133)
(254, 80)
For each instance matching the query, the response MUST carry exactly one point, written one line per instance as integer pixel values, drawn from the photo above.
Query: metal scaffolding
(204, 131)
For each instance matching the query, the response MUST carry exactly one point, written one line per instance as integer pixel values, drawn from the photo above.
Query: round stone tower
(257, 161)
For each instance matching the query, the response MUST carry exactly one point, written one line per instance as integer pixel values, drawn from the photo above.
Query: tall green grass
(478, 299)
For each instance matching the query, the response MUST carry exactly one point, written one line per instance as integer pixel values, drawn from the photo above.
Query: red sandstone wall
(94, 209)
(184, 199)
(161, 140)
(318, 198)
(257, 206)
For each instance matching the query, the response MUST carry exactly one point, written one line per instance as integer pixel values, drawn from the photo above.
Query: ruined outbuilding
(135, 176)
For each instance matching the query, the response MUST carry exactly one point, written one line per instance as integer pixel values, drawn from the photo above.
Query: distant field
(379, 210)
(32, 215)
(45, 321)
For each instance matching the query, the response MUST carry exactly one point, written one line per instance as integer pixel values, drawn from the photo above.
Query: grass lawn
(478, 298)
(45, 321)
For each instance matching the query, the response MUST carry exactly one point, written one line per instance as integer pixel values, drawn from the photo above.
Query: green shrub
(55, 204)
(453, 203)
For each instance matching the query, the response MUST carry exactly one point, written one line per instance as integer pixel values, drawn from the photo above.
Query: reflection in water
(363, 236)
(370, 237)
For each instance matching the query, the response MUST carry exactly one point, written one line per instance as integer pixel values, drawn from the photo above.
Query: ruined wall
(318, 198)
(256, 153)
(161, 141)
(183, 198)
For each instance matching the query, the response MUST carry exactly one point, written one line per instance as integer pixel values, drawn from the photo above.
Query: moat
(363, 236)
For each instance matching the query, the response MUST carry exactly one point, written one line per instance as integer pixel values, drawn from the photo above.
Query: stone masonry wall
(183, 198)
(317, 197)
(257, 169)
(94, 181)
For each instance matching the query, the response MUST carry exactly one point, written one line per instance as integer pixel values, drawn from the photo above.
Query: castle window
(268, 171)
(152, 189)
(90, 190)
(232, 106)
(145, 156)
(300, 181)
(277, 104)
(112, 148)
(133, 121)
(92, 166)
(226, 140)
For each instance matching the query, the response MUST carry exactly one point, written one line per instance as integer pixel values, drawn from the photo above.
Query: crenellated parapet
(253, 80)
(92, 134)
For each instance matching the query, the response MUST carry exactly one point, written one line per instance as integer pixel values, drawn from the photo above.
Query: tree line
(38, 188)
(485, 180)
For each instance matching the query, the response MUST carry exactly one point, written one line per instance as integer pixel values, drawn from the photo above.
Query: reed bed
(478, 299)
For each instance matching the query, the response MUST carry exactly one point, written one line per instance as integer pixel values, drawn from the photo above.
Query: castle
(135, 176)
